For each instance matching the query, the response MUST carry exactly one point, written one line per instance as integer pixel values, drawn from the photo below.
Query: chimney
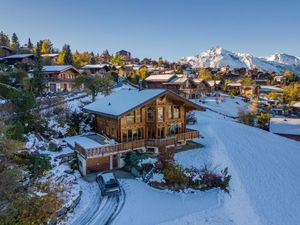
(140, 85)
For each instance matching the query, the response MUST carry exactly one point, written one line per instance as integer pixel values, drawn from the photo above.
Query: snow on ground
(265, 187)
(226, 105)
(146, 205)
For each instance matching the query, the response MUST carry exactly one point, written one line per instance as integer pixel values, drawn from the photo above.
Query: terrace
(112, 149)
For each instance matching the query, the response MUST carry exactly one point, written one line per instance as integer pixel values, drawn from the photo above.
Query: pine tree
(93, 59)
(29, 44)
(38, 76)
(65, 57)
(15, 44)
(4, 39)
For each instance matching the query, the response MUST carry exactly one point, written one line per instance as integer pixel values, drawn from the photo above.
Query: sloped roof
(96, 66)
(285, 126)
(160, 78)
(18, 56)
(123, 101)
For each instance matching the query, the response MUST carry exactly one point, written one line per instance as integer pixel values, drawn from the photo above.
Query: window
(150, 114)
(129, 135)
(130, 118)
(174, 129)
(170, 114)
(160, 114)
(140, 133)
(176, 112)
(124, 135)
(161, 132)
(134, 134)
(150, 132)
(138, 116)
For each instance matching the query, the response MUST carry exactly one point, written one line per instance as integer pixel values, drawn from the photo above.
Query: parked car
(108, 183)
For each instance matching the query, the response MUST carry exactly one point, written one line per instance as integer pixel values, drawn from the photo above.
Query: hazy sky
(171, 29)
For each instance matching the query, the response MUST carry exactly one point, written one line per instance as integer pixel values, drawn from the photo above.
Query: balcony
(129, 146)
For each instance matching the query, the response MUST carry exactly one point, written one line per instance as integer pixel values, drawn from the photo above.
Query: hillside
(217, 57)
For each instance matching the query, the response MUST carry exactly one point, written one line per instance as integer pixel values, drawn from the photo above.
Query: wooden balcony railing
(128, 146)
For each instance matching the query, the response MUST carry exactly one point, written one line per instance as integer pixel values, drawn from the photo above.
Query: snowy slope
(217, 57)
(265, 188)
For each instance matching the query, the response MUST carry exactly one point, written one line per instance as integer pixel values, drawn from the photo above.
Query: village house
(5, 51)
(18, 58)
(52, 56)
(125, 54)
(234, 87)
(286, 127)
(188, 87)
(157, 81)
(147, 120)
(97, 69)
(59, 77)
(249, 91)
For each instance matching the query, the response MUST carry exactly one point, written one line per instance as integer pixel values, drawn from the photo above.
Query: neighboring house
(249, 91)
(188, 87)
(125, 54)
(215, 85)
(18, 58)
(234, 87)
(268, 88)
(5, 51)
(287, 127)
(157, 81)
(53, 57)
(97, 69)
(59, 77)
(138, 120)
(295, 106)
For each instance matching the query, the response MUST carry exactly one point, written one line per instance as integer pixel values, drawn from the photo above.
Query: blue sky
(171, 29)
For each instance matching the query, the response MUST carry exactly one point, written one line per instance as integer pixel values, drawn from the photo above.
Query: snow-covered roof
(160, 77)
(57, 68)
(84, 142)
(212, 82)
(18, 56)
(234, 84)
(268, 88)
(96, 66)
(296, 104)
(50, 55)
(285, 126)
(122, 101)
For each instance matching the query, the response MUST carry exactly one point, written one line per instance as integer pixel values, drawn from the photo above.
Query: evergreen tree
(4, 39)
(93, 59)
(15, 44)
(29, 44)
(38, 77)
(65, 57)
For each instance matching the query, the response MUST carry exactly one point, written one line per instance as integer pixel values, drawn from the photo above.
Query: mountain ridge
(217, 57)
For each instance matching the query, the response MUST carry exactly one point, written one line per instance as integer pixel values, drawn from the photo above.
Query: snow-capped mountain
(217, 57)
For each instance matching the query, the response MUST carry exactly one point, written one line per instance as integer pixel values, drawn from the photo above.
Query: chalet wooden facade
(249, 91)
(60, 77)
(145, 120)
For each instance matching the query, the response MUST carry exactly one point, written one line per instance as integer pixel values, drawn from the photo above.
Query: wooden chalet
(5, 51)
(249, 91)
(18, 58)
(158, 80)
(141, 120)
(60, 77)
(188, 87)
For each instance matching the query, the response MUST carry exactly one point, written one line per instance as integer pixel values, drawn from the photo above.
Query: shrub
(39, 164)
(16, 131)
(164, 158)
(175, 177)
(246, 117)
(263, 120)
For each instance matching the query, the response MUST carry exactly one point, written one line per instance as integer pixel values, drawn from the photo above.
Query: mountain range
(217, 57)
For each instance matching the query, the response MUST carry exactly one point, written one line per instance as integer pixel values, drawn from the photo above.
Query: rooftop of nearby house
(213, 82)
(234, 85)
(160, 77)
(84, 142)
(95, 66)
(57, 68)
(268, 88)
(18, 56)
(51, 55)
(288, 126)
